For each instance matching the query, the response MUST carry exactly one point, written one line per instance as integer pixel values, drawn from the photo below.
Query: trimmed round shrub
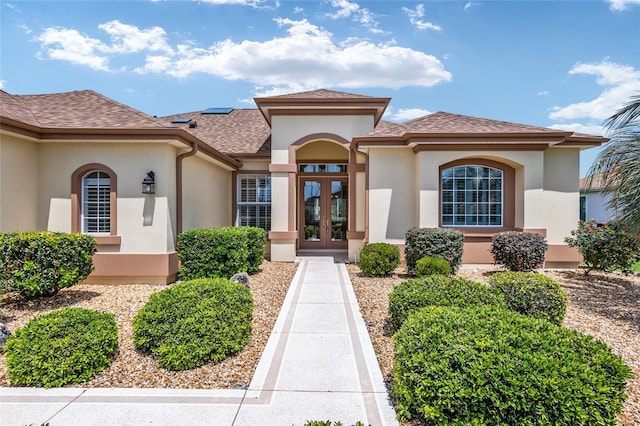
(39, 264)
(67, 346)
(430, 265)
(437, 242)
(531, 294)
(518, 251)
(488, 365)
(195, 322)
(379, 259)
(436, 290)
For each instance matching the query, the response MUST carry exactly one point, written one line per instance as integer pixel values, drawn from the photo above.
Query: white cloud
(13, 7)
(620, 5)
(2, 82)
(308, 56)
(25, 28)
(405, 114)
(470, 4)
(544, 93)
(590, 129)
(258, 4)
(130, 39)
(415, 17)
(620, 81)
(69, 45)
(347, 9)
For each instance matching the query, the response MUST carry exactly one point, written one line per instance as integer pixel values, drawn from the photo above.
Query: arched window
(96, 203)
(472, 195)
(94, 198)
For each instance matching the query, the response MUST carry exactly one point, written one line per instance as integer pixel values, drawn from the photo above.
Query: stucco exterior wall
(561, 192)
(392, 194)
(146, 223)
(206, 194)
(18, 184)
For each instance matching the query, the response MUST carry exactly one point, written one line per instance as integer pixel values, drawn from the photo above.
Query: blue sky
(560, 64)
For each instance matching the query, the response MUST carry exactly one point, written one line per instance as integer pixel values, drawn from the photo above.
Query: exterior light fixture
(149, 183)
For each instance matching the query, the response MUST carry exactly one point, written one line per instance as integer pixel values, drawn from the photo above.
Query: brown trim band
(115, 265)
(541, 231)
(355, 235)
(356, 168)
(283, 168)
(480, 147)
(108, 240)
(283, 235)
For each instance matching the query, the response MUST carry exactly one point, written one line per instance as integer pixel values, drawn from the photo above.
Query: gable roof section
(320, 102)
(445, 129)
(85, 116)
(241, 132)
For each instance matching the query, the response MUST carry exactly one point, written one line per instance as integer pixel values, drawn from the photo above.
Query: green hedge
(430, 265)
(37, 264)
(531, 294)
(518, 251)
(445, 243)
(67, 346)
(436, 290)
(379, 259)
(486, 365)
(195, 322)
(220, 252)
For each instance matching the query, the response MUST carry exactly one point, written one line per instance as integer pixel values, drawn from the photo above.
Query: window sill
(107, 240)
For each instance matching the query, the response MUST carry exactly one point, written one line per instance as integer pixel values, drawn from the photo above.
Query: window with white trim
(254, 201)
(96, 203)
(472, 196)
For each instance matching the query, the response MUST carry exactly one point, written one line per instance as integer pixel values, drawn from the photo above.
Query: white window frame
(254, 191)
(460, 204)
(96, 203)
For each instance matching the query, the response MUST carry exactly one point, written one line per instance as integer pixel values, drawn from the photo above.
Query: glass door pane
(312, 193)
(339, 213)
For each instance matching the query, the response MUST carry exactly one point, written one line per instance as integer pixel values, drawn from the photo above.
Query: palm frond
(629, 113)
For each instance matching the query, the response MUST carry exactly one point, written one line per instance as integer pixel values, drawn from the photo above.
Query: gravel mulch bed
(131, 368)
(605, 306)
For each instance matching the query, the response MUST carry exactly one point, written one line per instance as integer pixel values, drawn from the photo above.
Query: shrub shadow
(63, 299)
(614, 297)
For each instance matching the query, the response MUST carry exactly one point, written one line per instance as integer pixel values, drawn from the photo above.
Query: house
(594, 201)
(319, 170)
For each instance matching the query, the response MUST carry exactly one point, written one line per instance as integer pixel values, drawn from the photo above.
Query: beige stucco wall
(18, 184)
(206, 194)
(146, 223)
(561, 192)
(392, 194)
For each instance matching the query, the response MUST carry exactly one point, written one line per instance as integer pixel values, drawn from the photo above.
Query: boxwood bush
(488, 365)
(436, 290)
(220, 252)
(437, 242)
(518, 251)
(195, 322)
(37, 264)
(67, 346)
(379, 259)
(531, 294)
(430, 265)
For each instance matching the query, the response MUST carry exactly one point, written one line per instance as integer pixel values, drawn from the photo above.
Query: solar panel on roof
(181, 120)
(225, 110)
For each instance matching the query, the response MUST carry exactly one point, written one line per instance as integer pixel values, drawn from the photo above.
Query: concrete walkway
(318, 364)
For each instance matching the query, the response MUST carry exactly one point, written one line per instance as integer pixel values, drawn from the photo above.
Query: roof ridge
(20, 99)
(134, 110)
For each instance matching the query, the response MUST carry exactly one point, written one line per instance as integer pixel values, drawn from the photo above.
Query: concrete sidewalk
(318, 364)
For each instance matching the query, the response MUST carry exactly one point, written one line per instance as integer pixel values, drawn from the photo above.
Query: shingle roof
(78, 109)
(242, 131)
(320, 94)
(444, 122)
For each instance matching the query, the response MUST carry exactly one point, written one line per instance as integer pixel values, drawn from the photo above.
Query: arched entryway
(323, 195)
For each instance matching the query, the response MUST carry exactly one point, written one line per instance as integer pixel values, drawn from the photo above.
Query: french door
(323, 212)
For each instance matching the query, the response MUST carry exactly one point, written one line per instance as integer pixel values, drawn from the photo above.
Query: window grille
(96, 203)
(254, 201)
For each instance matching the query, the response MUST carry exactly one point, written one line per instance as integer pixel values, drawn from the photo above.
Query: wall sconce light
(149, 183)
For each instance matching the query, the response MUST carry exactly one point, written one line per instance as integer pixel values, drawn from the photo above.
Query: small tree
(604, 247)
